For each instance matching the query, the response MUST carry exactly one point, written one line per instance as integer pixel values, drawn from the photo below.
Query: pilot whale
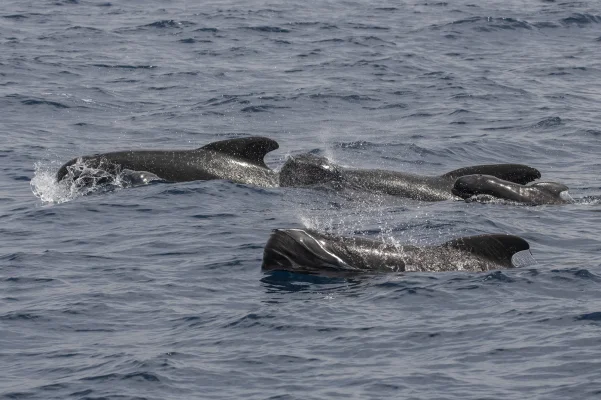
(308, 170)
(238, 160)
(311, 252)
(536, 194)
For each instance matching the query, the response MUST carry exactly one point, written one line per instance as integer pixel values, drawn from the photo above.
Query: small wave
(261, 108)
(489, 24)
(160, 88)
(16, 17)
(125, 66)
(144, 376)
(85, 29)
(585, 274)
(332, 40)
(213, 30)
(322, 25)
(36, 102)
(545, 24)
(420, 115)
(15, 316)
(366, 40)
(508, 23)
(352, 98)
(271, 29)
(594, 316)
(192, 40)
(223, 100)
(548, 122)
(499, 128)
(593, 132)
(28, 280)
(466, 21)
(249, 320)
(388, 106)
(369, 27)
(484, 97)
(581, 19)
(498, 276)
(168, 23)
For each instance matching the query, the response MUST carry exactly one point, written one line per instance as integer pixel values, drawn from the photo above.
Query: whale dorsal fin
(516, 173)
(497, 248)
(252, 148)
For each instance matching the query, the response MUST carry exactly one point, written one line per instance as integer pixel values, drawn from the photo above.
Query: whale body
(238, 160)
(309, 170)
(311, 252)
(536, 194)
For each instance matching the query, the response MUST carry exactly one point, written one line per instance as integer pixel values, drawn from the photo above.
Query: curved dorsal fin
(497, 248)
(516, 173)
(251, 149)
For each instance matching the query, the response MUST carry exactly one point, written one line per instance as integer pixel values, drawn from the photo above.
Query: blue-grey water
(156, 292)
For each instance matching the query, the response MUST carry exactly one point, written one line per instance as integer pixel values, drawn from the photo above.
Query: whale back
(498, 248)
(251, 149)
(516, 173)
(177, 165)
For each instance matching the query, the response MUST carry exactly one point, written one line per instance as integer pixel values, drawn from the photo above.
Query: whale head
(537, 193)
(300, 250)
(308, 169)
(553, 188)
(473, 185)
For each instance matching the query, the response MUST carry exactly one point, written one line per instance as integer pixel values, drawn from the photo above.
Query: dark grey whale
(311, 252)
(238, 160)
(308, 170)
(535, 194)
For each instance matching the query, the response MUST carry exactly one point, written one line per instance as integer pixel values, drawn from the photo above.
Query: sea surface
(156, 292)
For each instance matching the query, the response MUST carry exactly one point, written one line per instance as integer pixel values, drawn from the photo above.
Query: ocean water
(156, 292)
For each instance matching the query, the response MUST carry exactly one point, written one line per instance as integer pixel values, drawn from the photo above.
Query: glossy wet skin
(308, 169)
(237, 160)
(308, 251)
(537, 193)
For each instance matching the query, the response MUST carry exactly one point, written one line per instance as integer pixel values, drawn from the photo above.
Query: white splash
(45, 187)
(80, 181)
(565, 196)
